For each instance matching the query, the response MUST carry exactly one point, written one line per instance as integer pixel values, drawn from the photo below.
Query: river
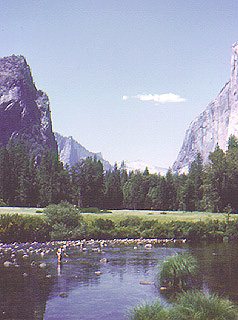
(95, 285)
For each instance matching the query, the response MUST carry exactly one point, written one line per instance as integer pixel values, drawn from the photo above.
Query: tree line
(25, 181)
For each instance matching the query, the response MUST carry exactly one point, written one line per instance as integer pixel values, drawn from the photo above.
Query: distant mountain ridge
(141, 165)
(71, 151)
(214, 125)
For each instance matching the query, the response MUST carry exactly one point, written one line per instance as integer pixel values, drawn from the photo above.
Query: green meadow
(117, 215)
(162, 216)
(20, 210)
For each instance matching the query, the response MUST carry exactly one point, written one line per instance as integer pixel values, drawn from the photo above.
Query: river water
(95, 285)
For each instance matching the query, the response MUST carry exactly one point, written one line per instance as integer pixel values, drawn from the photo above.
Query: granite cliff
(71, 152)
(215, 124)
(24, 110)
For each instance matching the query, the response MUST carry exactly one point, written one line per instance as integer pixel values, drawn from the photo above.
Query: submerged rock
(63, 295)
(147, 282)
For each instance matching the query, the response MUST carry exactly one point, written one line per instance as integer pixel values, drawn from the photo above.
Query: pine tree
(113, 197)
(88, 183)
(215, 182)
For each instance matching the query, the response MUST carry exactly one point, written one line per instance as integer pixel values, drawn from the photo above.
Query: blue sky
(108, 67)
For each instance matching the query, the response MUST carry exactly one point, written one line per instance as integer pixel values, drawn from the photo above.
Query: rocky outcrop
(214, 125)
(71, 152)
(24, 110)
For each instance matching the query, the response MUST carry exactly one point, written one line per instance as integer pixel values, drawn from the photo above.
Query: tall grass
(153, 311)
(178, 272)
(197, 305)
(192, 305)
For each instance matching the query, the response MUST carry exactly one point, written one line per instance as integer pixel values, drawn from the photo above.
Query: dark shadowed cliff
(24, 110)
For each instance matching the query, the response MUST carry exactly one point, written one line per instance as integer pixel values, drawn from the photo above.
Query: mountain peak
(71, 152)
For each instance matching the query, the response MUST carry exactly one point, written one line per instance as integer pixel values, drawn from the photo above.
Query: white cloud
(158, 98)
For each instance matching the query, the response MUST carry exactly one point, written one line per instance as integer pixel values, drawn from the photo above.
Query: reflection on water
(91, 285)
(219, 265)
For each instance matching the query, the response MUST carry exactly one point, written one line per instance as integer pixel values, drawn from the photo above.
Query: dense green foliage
(65, 220)
(27, 181)
(178, 272)
(17, 227)
(188, 306)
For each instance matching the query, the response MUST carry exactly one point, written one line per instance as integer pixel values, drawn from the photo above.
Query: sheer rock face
(24, 110)
(214, 125)
(71, 152)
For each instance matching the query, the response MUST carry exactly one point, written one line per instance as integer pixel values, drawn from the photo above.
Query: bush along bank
(134, 227)
(20, 228)
(65, 222)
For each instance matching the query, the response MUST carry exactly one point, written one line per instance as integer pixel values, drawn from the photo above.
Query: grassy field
(116, 215)
(163, 216)
(12, 210)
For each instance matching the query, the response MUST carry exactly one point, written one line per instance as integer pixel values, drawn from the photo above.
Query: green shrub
(127, 232)
(178, 272)
(15, 227)
(160, 231)
(147, 224)
(66, 221)
(2, 203)
(232, 230)
(105, 224)
(130, 221)
(199, 306)
(64, 213)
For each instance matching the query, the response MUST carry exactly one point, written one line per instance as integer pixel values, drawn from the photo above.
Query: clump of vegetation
(102, 229)
(152, 311)
(94, 210)
(2, 203)
(188, 306)
(178, 272)
(17, 227)
(199, 306)
(65, 220)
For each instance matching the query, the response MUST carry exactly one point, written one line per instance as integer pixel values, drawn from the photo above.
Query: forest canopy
(211, 187)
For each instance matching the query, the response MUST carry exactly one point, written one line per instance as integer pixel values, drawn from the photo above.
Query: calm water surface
(95, 289)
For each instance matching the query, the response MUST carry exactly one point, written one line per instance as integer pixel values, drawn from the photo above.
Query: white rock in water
(42, 265)
(214, 125)
(7, 264)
